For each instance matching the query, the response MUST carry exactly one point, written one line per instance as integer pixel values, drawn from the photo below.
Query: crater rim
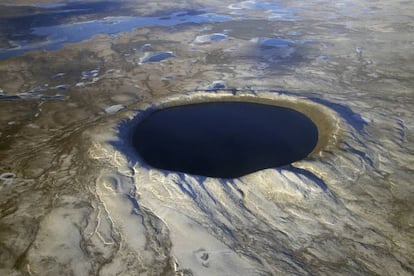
(325, 119)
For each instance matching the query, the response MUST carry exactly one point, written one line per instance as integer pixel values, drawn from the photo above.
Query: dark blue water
(155, 56)
(224, 139)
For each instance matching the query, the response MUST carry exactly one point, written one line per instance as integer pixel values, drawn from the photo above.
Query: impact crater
(228, 137)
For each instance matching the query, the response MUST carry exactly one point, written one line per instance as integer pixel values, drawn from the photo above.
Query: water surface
(224, 139)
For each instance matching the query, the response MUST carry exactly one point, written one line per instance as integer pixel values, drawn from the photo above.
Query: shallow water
(75, 199)
(52, 37)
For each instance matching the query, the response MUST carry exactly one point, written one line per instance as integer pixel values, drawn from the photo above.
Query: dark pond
(224, 139)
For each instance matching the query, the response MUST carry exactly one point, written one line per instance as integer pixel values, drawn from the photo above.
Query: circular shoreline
(325, 119)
